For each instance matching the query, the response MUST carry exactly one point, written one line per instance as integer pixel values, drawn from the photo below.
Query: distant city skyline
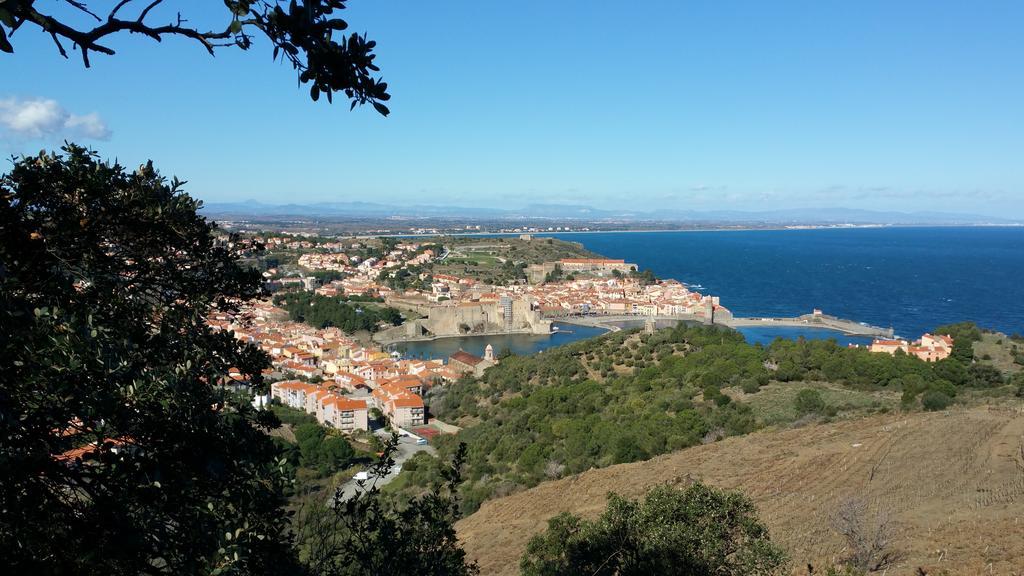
(911, 106)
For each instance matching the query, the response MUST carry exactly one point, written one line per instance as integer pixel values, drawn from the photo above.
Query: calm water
(912, 279)
(766, 334)
(522, 344)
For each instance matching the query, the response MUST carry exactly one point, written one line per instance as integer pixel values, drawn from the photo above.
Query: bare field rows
(952, 482)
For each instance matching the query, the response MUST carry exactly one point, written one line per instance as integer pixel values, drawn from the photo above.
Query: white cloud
(45, 118)
(89, 125)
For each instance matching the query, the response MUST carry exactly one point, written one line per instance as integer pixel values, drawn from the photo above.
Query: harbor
(815, 319)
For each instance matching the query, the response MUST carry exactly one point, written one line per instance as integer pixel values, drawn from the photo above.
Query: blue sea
(912, 279)
(521, 344)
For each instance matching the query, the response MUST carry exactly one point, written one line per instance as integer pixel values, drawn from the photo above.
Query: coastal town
(347, 382)
(449, 302)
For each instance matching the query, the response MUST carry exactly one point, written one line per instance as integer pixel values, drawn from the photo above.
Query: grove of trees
(325, 311)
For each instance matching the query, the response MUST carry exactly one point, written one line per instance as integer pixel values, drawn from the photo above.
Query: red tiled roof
(466, 358)
(408, 401)
(349, 404)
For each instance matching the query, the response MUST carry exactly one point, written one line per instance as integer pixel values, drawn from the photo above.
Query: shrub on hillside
(699, 530)
(984, 376)
(750, 386)
(933, 400)
(1018, 381)
(809, 401)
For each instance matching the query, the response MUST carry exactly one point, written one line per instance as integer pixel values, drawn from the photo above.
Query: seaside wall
(483, 318)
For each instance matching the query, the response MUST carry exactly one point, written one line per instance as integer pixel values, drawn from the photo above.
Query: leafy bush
(750, 386)
(696, 531)
(291, 416)
(809, 401)
(933, 400)
(984, 376)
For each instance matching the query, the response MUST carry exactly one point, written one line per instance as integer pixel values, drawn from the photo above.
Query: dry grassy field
(952, 482)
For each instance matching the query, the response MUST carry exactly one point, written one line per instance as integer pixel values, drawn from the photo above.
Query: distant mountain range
(365, 210)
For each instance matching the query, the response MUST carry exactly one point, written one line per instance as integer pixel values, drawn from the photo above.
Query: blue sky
(704, 105)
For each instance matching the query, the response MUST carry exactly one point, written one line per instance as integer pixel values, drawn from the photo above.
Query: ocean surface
(521, 344)
(912, 279)
(526, 344)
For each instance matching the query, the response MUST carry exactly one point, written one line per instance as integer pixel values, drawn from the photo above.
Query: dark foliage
(933, 400)
(809, 401)
(540, 417)
(964, 334)
(324, 311)
(626, 397)
(107, 279)
(307, 34)
(366, 534)
(693, 532)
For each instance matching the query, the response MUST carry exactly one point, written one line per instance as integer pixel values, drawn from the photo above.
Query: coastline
(614, 323)
(777, 228)
(407, 339)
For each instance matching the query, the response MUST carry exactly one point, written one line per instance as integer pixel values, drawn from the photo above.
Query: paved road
(406, 448)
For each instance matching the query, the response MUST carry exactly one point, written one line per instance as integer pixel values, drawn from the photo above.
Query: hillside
(628, 396)
(953, 481)
(502, 260)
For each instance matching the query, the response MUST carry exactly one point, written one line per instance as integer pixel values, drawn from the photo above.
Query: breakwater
(848, 327)
(823, 321)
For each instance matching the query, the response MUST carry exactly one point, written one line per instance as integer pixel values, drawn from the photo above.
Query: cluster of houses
(332, 404)
(610, 295)
(614, 296)
(328, 406)
(930, 348)
(591, 295)
(601, 285)
(337, 379)
(362, 275)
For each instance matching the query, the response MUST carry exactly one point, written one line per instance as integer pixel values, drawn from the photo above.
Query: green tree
(309, 437)
(984, 376)
(307, 34)
(694, 531)
(334, 452)
(809, 401)
(964, 334)
(325, 311)
(120, 453)
(933, 400)
(646, 277)
(365, 534)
